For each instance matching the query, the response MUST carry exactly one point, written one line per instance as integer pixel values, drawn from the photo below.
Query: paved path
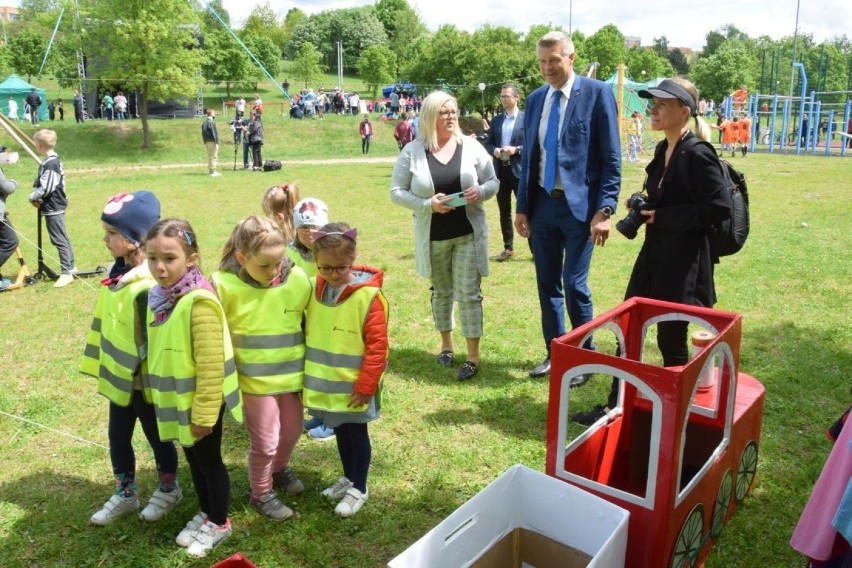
(378, 160)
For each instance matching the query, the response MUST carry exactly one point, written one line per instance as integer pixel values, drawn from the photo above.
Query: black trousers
(672, 341)
(353, 445)
(508, 187)
(209, 474)
(122, 422)
(257, 160)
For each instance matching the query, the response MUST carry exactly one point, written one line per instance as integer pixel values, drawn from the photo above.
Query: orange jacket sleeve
(376, 346)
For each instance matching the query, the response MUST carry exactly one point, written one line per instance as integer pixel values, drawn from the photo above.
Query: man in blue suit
(569, 184)
(505, 142)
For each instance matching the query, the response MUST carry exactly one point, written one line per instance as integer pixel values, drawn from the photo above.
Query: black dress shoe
(542, 370)
(579, 380)
(468, 370)
(590, 417)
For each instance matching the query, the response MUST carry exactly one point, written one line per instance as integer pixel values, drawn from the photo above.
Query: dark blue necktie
(551, 143)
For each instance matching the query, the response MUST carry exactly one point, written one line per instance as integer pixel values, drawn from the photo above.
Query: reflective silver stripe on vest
(268, 341)
(92, 352)
(270, 369)
(326, 386)
(123, 358)
(170, 384)
(337, 360)
(232, 400)
(96, 325)
(172, 414)
(230, 367)
(116, 382)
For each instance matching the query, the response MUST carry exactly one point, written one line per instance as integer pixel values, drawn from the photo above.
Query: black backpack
(271, 165)
(729, 236)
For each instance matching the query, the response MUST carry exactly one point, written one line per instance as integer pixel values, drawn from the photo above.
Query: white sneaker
(338, 490)
(352, 502)
(208, 537)
(115, 508)
(63, 280)
(215, 174)
(187, 535)
(161, 503)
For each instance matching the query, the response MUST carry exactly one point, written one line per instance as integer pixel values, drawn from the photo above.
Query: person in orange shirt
(729, 134)
(745, 134)
(739, 97)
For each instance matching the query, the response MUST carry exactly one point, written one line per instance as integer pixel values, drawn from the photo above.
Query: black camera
(630, 224)
(238, 125)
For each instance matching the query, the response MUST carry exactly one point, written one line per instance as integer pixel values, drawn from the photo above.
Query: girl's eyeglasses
(342, 269)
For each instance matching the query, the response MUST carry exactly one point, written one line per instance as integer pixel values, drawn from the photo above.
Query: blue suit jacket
(495, 140)
(589, 150)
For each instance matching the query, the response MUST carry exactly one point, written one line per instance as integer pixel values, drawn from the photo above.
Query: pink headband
(320, 234)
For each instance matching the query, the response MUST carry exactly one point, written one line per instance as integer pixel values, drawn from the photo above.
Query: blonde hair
(278, 203)
(702, 129)
(250, 236)
(45, 138)
(429, 110)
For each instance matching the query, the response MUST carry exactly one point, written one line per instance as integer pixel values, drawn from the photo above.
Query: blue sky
(684, 23)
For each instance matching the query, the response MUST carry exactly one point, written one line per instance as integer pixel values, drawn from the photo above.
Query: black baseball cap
(668, 89)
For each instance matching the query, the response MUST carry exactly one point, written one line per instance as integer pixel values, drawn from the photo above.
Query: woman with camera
(685, 196)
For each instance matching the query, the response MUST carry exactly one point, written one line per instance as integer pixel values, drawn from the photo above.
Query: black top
(447, 179)
(675, 263)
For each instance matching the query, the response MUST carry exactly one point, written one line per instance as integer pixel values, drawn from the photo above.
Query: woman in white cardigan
(444, 178)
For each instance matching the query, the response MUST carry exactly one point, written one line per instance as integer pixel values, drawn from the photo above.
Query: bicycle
(791, 138)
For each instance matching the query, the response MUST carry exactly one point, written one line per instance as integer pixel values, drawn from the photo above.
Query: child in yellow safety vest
(115, 354)
(191, 375)
(297, 221)
(264, 297)
(346, 335)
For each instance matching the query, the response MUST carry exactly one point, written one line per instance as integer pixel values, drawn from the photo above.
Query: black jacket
(675, 263)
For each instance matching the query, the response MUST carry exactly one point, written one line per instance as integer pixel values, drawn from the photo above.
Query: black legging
(122, 422)
(255, 152)
(209, 474)
(353, 445)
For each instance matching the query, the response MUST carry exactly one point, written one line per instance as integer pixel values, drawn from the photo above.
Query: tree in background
(678, 61)
(725, 71)
(153, 49)
(211, 23)
(307, 66)
(715, 38)
(262, 22)
(403, 27)
(291, 21)
(639, 59)
(26, 49)
(606, 46)
(355, 28)
(225, 61)
(376, 67)
(266, 52)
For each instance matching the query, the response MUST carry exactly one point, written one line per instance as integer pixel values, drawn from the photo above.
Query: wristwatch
(608, 211)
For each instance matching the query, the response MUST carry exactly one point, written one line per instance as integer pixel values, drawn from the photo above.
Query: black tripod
(238, 137)
(46, 273)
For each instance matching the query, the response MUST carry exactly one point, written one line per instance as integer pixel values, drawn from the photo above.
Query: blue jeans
(563, 254)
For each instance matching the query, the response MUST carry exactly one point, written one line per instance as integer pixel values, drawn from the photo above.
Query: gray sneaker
(338, 490)
(286, 479)
(270, 505)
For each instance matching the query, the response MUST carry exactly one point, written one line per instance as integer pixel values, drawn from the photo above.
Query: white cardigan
(412, 187)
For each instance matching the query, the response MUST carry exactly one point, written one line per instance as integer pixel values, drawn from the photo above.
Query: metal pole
(793, 63)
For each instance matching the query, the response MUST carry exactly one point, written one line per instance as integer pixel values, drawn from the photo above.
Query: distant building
(9, 13)
(632, 41)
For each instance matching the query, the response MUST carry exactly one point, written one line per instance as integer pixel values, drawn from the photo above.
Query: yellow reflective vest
(171, 370)
(308, 266)
(266, 331)
(334, 336)
(111, 353)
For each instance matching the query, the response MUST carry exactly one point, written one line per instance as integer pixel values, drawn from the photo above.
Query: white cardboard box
(522, 498)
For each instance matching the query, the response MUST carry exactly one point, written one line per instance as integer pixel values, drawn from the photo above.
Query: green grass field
(439, 442)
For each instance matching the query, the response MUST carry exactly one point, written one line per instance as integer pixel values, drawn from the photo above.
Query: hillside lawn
(439, 442)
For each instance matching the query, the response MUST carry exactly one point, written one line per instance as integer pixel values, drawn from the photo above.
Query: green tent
(18, 89)
(632, 102)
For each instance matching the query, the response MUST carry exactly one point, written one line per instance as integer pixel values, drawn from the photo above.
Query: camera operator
(255, 136)
(686, 196)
